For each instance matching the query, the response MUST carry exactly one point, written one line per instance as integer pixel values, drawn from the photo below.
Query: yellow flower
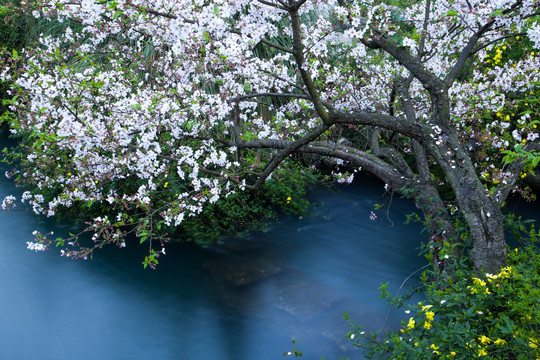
(484, 340)
(430, 315)
(482, 352)
(166, 184)
(517, 37)
(453, 353)
(427, 325)
(479, 282)
(499, 342)
(532, 344)
(424, 308)
(411, 324)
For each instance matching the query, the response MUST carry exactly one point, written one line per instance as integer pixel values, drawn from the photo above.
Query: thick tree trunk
(485, 220)
(480, 208)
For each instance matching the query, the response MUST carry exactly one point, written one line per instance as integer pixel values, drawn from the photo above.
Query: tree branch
(389, 153)
(282, 155)
(276, 46)
(401, 125)
(401, 54)
(268, 3)
(298, 49)
(368, 162)
(289, 95)
(468, 49)
(496, 40)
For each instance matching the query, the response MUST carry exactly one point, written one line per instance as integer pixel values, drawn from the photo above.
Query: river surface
(245, 301)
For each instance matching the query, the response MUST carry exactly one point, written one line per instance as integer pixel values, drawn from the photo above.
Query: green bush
(467, 315)
(284, 193)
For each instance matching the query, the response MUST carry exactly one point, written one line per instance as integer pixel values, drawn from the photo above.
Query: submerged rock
(302, 296)
(238, 263)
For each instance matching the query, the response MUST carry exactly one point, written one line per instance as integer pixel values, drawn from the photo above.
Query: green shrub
(284, 193)
(470, 316)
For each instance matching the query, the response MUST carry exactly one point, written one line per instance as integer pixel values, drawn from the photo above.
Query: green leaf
(38, 143)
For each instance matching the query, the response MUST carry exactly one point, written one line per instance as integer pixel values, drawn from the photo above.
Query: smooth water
(247, 300)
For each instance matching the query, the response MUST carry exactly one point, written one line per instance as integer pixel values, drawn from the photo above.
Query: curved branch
(369, 162)
(401, 125)
(286, 151)
(391, 154)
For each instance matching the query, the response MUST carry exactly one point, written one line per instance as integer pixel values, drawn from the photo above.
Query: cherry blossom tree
(150, 110)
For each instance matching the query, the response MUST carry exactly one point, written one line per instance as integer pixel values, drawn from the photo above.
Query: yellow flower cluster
(503, 274)
(430, 315)
(497, 57)
(480, 287)
(477, 281)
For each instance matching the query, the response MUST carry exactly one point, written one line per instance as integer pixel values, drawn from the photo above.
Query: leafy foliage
(469, 316)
